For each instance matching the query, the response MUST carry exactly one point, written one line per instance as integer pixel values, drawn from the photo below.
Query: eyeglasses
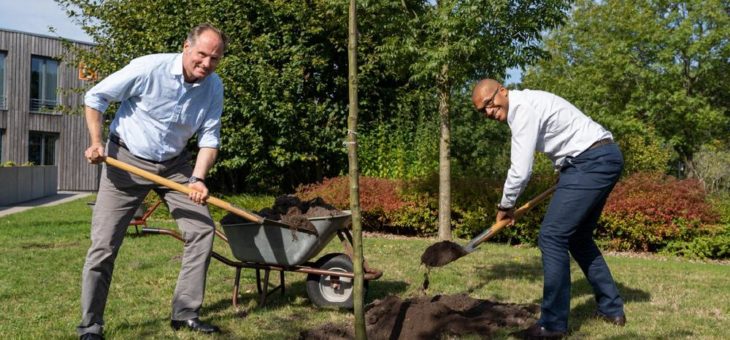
(488, 102)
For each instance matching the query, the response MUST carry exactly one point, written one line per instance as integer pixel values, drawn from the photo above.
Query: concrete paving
(60, 197)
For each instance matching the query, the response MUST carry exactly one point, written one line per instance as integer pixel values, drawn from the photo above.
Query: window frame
(45, 136)
(43, 104)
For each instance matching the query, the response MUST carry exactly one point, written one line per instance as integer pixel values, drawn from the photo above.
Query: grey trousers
(120, 193)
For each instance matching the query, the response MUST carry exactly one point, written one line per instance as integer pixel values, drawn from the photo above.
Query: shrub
(721, 204)
(399, 149)
(644, 152)
(382, 205)
(705, 247)
(647, 210)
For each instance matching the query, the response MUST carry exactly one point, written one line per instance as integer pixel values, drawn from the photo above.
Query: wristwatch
(194, 179)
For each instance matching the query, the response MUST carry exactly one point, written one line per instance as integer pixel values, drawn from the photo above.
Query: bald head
(483, 88)
(490, 97)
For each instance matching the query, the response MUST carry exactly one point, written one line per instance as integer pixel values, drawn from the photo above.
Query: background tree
(645, 68)
(454, 42)
(285, 75)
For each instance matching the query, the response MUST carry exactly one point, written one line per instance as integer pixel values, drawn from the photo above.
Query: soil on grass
(442, 253)
(292, 211)
(433, 317)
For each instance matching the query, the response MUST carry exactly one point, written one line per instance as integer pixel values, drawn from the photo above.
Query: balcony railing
(42, 105)
(2, 103)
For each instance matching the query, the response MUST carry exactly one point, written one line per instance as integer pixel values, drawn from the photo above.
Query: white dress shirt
(158, 110)
(541, 121)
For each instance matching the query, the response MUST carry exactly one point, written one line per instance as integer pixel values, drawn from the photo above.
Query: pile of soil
(292, 211)
(433, 318)
(442, 253)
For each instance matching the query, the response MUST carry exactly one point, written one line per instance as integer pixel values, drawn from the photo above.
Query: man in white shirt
(590, 164)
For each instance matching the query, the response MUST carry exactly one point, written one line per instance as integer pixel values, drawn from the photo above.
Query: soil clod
(442, 253)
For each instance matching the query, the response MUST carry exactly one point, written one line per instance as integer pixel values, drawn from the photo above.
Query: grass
(42, 252)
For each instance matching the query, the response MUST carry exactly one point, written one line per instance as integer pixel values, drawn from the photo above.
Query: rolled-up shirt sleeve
(525, 128)
(209, 132)
(117, 87)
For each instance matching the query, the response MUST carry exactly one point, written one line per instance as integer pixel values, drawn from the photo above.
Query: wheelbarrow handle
(487, 234)
(182, 188)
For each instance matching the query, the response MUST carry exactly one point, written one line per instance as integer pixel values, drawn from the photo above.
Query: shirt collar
(176, 69)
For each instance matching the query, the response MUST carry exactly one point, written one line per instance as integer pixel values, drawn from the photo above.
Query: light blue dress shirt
(159, 112)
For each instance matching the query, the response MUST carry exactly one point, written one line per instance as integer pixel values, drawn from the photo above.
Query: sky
(35, 16)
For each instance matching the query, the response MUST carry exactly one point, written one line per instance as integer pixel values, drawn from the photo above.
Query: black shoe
(91, 336)
(618, 320)
(194, 325)
(537, 332)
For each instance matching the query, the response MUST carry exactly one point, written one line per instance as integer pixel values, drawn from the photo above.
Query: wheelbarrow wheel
(327, 291)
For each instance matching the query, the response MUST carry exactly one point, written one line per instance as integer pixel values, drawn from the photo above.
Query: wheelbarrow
(267, 246)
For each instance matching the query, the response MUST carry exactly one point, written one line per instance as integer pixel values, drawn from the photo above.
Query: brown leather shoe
(618, 320)
(537, 332)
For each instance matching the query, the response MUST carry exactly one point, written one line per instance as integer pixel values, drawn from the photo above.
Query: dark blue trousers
(584, 185)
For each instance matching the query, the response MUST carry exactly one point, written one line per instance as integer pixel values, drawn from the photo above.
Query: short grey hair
(196, 31)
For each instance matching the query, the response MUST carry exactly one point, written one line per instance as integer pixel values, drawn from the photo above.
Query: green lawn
(42, 252)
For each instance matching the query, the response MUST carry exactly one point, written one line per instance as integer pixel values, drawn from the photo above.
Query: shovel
(184, 189)
(445, 252)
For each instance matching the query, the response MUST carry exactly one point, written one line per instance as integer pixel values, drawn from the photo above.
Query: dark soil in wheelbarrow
(435, 317)
(290, 210)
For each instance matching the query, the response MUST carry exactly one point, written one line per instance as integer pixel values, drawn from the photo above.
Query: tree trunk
(444, 155)
(354, 176)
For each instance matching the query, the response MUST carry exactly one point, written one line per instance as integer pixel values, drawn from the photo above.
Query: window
(43, 83)
(2, 82)
(42, 148)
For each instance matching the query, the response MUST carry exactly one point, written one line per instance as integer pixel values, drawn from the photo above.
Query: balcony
(3, 103)
(43, 105)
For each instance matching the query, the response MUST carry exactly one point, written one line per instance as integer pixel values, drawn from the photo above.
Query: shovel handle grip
(181, 188)
(487, 234)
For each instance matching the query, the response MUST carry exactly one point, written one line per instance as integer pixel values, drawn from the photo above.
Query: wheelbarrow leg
(263, 289)
(281, 282)
(263, 292)
(235, 287)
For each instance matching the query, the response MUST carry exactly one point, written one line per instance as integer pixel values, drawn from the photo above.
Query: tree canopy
(285, 71)
(650, 67)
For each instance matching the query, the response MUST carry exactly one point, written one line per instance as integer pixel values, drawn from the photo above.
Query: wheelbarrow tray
(274, 245)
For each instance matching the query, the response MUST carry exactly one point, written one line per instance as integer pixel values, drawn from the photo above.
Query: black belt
(600, 143)
(118, 141)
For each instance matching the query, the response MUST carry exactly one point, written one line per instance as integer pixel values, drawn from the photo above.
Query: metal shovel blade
(445, 252)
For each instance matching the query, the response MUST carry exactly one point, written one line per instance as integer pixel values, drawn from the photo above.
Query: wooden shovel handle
(182, 188)
(501, 224)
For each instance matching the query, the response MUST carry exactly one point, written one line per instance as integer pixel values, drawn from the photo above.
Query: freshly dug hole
(433, 317)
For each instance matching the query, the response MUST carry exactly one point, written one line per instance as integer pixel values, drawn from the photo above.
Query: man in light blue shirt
(165, 99)
(590, 164)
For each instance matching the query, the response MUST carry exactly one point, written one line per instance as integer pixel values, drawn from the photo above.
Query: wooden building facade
(34, 82)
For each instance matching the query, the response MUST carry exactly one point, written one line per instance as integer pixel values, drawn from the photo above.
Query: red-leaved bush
(381, 203)
(647, 210)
